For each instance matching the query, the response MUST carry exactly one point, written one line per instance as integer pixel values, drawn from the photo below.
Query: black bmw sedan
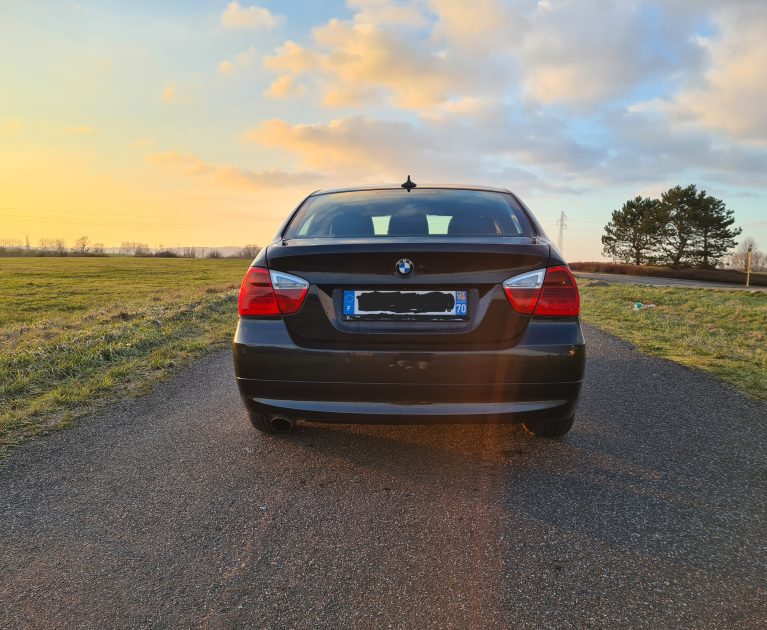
(424, 304)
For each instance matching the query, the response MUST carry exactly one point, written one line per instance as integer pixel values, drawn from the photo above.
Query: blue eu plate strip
(348, 302)
(460, 302)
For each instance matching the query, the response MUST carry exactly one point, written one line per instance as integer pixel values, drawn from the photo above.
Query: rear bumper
(337, 402)
(538, 378)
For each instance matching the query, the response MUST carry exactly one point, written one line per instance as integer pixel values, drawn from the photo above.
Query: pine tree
(714, 235)
(632, 234)
(681, 205)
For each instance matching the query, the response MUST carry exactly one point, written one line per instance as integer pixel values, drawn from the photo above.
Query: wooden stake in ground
(748, 266)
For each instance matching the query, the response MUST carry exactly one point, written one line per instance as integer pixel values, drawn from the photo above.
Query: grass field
(79, 333)
(729, 276)
(721, 332)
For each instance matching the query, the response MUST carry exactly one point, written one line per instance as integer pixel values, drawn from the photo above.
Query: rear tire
(267, 424)
(550, 428)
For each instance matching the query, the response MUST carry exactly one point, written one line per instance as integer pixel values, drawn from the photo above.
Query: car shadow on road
(648, 472)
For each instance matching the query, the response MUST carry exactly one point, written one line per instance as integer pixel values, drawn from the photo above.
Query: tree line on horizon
(684, 228)
(82, 246)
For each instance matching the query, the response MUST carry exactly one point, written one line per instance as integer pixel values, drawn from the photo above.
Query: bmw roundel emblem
(404, 266)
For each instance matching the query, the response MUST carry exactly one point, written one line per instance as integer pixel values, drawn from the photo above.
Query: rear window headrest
(472, 225)
(351, 224)
(408, 225)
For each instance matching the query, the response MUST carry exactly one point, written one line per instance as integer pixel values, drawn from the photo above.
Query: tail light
(290, 291)
(559, 297)
(523, 290)
(264, 293)
(256, 294)
(549, 292)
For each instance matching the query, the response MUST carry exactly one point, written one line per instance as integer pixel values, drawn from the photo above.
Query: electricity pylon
(561, 226)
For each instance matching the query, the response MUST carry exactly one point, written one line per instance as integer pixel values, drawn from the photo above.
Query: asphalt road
(616, 278)
(172, 512)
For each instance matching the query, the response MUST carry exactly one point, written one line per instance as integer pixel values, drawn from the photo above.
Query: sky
(205, 122)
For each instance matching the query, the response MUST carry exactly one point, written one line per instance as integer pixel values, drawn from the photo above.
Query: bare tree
(98, 249)
(249, 251)
(10, 245)
(81, 246)
(214, 253)
(740, 254)
(134, 248)
(189, 252)
(60, 246)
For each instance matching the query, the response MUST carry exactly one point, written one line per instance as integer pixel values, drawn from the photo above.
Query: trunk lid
(478, 266)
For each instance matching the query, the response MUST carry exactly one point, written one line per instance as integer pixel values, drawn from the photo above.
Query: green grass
(721, 332)
(78, 333)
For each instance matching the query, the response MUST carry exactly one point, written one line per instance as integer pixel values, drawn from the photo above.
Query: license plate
(406, 305)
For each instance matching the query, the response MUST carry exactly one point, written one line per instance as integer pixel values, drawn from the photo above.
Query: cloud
(575, 94)
(240, 61)
(528, 154)
(293, 57)
(230, 176)
(387, 12)
(283, 87)
(236, 16)
(468, 107)
(647, 146)
(478, 26)
(170, 94)
(423, 54)
(366, 149)
(733, 95)
(568, 60)
(225, 67)
(354, 63)
(341, 144)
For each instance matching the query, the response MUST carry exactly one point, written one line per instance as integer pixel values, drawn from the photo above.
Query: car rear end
(436, 305)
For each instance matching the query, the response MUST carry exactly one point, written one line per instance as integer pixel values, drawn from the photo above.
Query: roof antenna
(409, 184)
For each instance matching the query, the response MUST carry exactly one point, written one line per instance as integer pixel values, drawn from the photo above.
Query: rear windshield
(423, 212)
